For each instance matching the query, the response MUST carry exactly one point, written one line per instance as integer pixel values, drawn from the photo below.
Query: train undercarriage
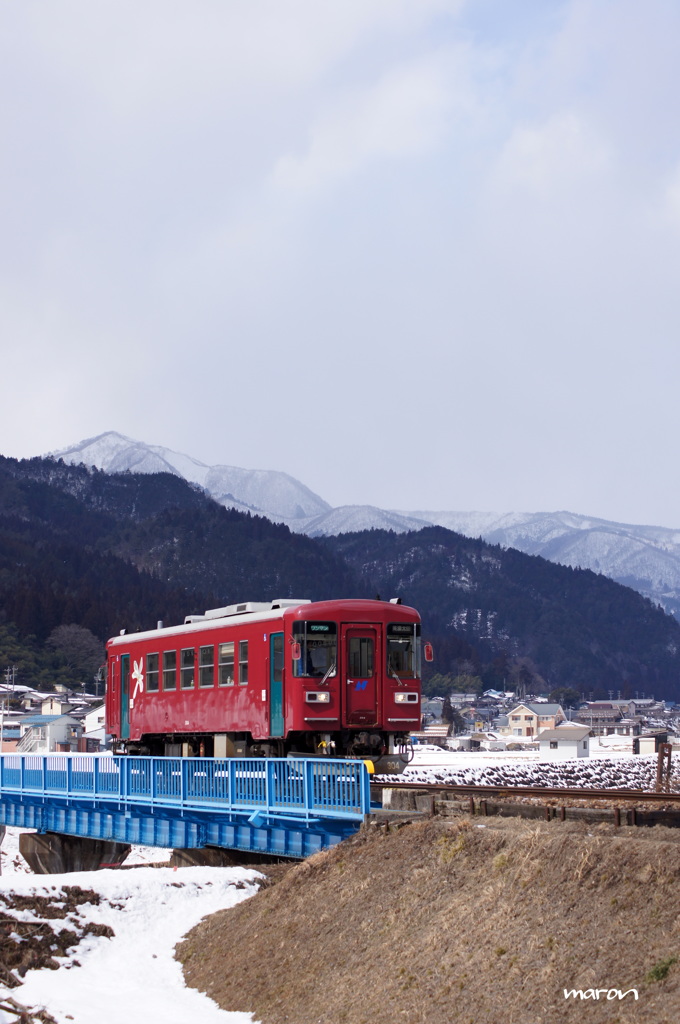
(389, 753)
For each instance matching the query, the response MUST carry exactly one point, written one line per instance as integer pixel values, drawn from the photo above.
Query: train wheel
(406, 752)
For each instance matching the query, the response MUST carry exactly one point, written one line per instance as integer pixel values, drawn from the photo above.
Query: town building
(567, 742)
(528, 720)
(45, 734)
(608, 718)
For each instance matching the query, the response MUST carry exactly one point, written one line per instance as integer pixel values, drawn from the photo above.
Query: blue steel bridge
(281, 806)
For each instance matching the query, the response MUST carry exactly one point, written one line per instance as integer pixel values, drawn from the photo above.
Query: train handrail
(307, 788)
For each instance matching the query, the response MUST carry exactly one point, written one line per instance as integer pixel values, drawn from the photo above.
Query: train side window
(226, 664)
(151, 673)
(186, 672)
(169, 670)
(243, 662)
(206, 666)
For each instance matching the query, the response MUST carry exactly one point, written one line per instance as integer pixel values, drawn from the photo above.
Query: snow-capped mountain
(646, 558)
(352, 518)
(264, 491)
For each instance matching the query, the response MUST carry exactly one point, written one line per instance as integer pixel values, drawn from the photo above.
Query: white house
(94, 719)
(44, 734)
(567, 742)
(94, 724)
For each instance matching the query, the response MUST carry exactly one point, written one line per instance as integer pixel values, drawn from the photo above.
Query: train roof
(260, 611)
(249, 606)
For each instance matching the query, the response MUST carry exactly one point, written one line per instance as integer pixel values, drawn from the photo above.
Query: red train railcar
(267, 679)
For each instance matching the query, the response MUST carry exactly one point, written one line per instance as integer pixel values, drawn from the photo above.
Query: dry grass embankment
(456, 922)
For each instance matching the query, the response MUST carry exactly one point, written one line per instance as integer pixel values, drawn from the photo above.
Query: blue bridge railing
(301, 789)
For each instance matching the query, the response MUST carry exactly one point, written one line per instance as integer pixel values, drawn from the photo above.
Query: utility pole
(663, 768)
(98, 678)
(9, 678)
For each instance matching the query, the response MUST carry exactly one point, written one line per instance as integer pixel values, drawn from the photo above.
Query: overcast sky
(416, 253)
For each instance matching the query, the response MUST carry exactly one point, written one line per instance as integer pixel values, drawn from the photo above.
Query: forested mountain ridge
(491, 605)
(78, 545)
(126, 549)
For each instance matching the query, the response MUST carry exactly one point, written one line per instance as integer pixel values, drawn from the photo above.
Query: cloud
(548, 158)
(672, 198)
(402, 116)
(150, 56)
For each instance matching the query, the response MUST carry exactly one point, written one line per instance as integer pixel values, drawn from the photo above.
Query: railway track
(550, 792)
(618, 806)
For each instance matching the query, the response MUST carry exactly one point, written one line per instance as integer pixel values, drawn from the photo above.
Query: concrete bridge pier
(219, 857)
(51, 853)
(204, 856)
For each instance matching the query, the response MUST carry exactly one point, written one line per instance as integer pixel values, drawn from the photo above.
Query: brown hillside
(448, 921)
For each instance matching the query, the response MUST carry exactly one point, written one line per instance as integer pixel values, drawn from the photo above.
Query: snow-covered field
(607, 769)
(133, 976)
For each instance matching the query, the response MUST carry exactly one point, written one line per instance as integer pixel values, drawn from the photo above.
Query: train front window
(403, 650)
(318, 649)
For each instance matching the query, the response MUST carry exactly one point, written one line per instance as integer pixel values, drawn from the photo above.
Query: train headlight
(318, 697)
(406, 698)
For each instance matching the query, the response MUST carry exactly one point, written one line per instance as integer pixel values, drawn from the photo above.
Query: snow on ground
(132, 977)
(608, 770)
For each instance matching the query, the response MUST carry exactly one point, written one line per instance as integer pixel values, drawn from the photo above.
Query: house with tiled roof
(606, 718)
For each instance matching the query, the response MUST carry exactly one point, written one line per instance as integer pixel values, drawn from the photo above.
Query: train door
(125, 696)
(360, 644)
(276, 684)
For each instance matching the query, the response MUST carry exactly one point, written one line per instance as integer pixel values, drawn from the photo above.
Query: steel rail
(643, 795)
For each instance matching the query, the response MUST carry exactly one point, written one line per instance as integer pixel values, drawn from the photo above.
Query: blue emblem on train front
(361, 684)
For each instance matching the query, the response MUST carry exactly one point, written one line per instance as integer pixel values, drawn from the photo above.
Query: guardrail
(299, 788)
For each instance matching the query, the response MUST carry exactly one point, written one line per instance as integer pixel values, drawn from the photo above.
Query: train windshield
(318, 649)
(403, 650)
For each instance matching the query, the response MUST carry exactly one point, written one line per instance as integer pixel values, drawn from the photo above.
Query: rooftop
(565, 732)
